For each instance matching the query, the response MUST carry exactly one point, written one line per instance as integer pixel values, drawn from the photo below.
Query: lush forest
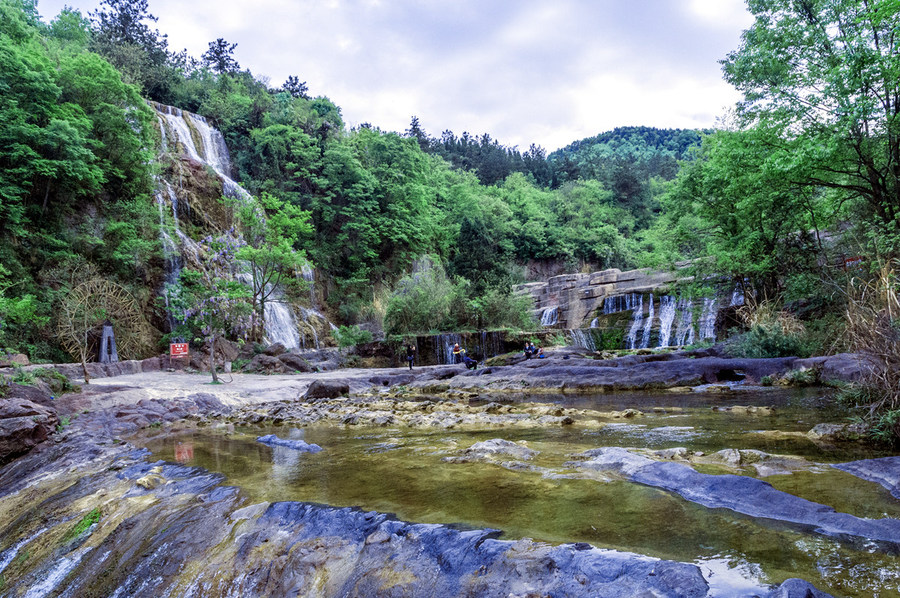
(79, 174)
(411, 232)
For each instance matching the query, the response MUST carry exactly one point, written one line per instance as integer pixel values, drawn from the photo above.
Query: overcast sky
(526, 71)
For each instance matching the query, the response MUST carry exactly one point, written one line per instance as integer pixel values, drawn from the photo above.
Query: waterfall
(550, 316)
(667, 306)
(648, 324)
(212, 151)
(636, 320)
(171, 255)
(737, 297)
(443, 345)
(583, 338)
(281, 324)
(491, 344)
(595, 322)
(684, 332)
(707, 323)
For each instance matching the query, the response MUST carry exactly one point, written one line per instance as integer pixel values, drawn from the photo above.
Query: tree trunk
(212, 359)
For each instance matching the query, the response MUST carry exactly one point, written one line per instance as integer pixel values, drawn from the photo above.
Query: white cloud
(525, 71)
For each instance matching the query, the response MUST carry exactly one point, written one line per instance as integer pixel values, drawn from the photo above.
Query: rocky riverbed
(86, 510)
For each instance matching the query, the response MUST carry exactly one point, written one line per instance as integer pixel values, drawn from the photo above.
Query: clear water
(402, 471)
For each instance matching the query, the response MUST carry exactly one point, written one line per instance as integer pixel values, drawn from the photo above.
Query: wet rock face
(741, 494)
(884, 471)
(23, 425)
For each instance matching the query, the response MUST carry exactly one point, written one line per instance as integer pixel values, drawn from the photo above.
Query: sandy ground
(235, 390)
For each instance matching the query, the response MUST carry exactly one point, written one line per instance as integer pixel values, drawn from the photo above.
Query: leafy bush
(350, 336)
(765, 341)
(58, 383)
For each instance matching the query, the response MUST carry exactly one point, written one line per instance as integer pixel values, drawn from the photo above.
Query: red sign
(178, 349)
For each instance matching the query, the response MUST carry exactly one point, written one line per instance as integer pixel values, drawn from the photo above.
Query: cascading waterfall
(707, 323)
(648, 324)
(684, 332)
(663, 321)
(550, 316)
(583, 338)
(636, 321)
(667, 305)
(187, 130)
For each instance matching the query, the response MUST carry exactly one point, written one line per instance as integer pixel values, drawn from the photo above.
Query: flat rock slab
(741, 494)
(884, 471)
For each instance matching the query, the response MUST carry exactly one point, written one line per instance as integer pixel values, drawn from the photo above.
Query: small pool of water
(403, 471)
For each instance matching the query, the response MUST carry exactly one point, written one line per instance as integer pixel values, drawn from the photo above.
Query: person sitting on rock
(540, 354)
(458, 353)
(528, 350)
(471, 364)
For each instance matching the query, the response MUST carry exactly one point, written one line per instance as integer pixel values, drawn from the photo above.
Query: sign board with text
(178, 349)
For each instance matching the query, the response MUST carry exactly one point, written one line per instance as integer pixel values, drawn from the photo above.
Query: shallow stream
(548, 498)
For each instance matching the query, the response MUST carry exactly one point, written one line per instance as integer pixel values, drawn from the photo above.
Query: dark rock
(297, 445)
(266, 364)
(275, 349)
(392, 380)
(327, 389)
(36, 394)
(295, 362)
(23, 425)
(847, 367)
(884, 471)
(742, 494)
(797, 588)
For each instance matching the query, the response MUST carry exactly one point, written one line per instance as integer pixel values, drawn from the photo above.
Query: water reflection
(184, 451)
(402, 471)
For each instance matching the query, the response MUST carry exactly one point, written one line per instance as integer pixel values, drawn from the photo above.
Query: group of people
(532, 351)
(459, 356)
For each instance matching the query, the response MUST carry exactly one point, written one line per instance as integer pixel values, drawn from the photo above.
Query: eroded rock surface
(884, 471)
(741, 494)
(23, 425)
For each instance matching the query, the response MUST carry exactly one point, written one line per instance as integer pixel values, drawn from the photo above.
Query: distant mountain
(647, 151)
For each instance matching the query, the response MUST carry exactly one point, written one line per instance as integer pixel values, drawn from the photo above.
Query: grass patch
(82, 526)
(64, 421)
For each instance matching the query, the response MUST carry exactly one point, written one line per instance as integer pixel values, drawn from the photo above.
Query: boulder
(23, 425)
(847, 367)
(295, 362)
(275, 349)
(39, 393)
(11, 359)
(266, 364)
(836, 432)
(327, 389)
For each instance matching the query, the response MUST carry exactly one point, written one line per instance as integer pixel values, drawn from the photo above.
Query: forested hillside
(78, 176)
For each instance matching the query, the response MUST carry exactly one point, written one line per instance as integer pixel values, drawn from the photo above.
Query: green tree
(738, 206)
(220, 57)
(270, 229)
(210, 302)
(824, 76)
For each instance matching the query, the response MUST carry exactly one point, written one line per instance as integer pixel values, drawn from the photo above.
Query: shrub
(350, 336)
(873, 329)
(768, 341)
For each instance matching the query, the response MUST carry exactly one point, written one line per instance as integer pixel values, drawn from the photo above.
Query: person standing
(457, 353)
(410, 353)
